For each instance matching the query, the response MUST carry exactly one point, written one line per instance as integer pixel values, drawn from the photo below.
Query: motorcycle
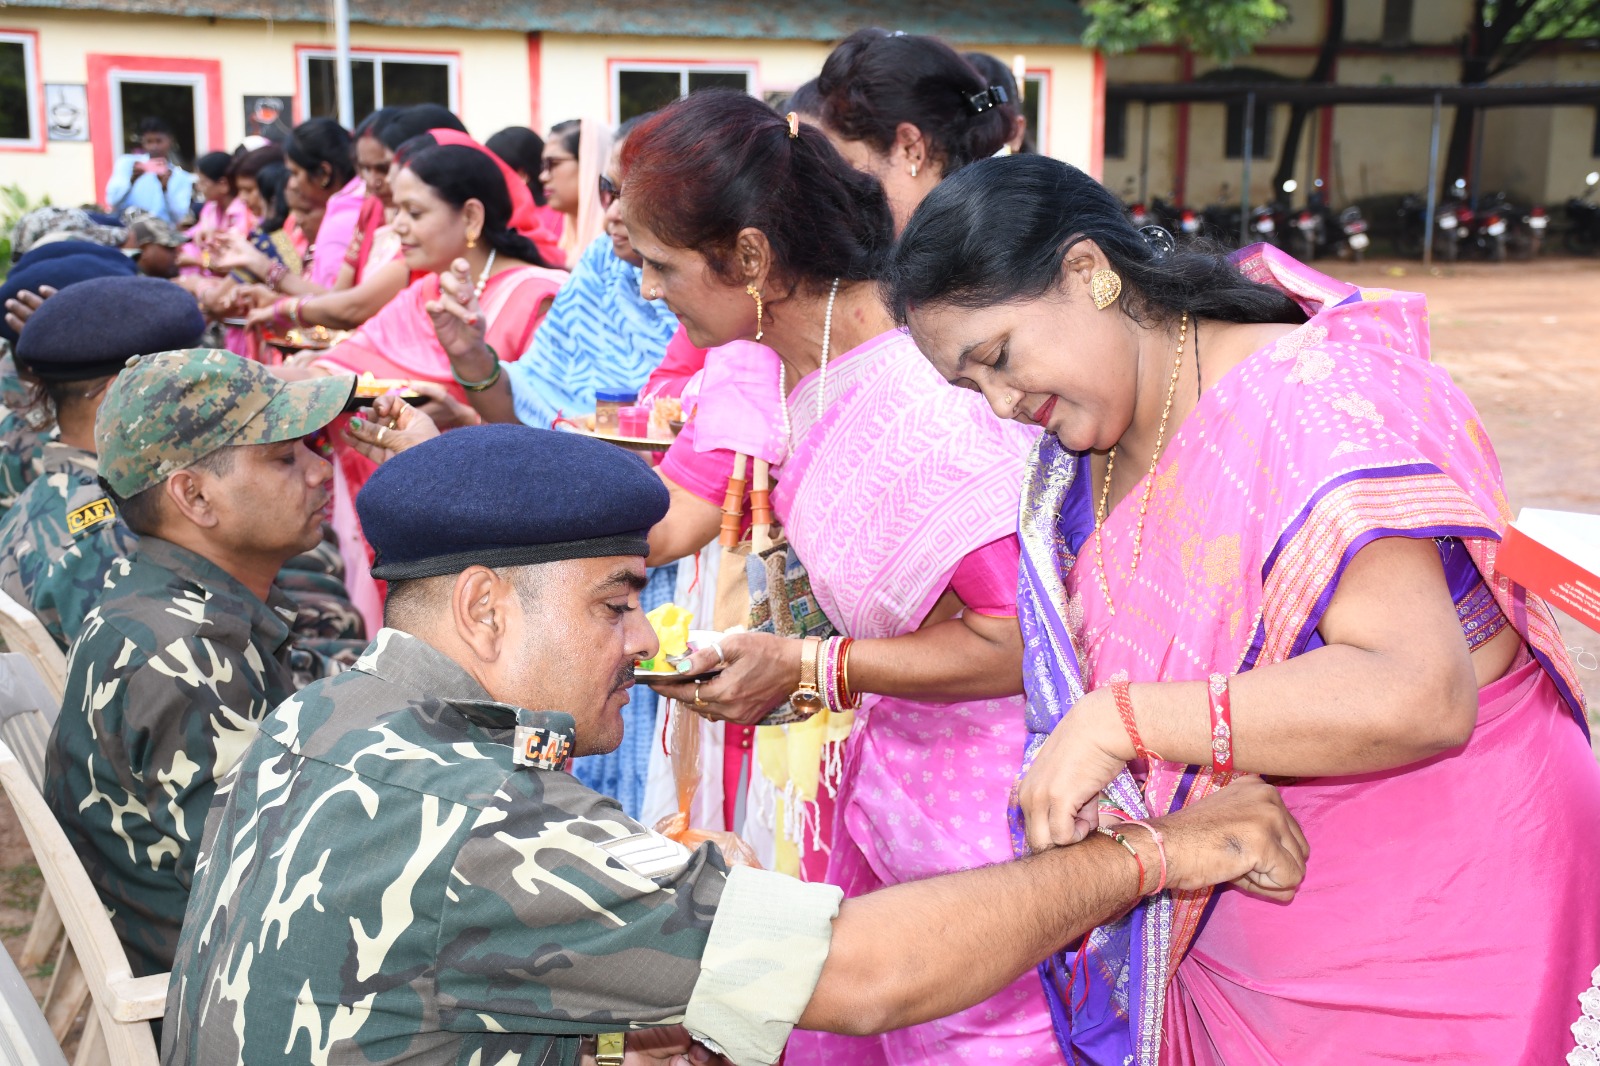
(1487, 234)
(1530, 241)
(1354, 228)
(1219, 221)
(1448, 219)
(1583, 220)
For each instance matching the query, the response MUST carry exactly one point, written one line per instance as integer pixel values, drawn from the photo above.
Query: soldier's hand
(21, 307)
(1242, 835)
(670, 1044)
(389, 428)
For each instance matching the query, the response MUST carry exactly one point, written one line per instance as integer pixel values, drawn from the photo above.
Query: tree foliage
(1221, 29)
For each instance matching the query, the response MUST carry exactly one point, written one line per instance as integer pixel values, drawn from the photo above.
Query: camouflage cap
(168, 411)
(152, 230)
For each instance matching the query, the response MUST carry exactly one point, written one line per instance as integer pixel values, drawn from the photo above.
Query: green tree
(1221, 29)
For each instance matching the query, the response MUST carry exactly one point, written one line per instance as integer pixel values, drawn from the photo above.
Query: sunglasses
(610, 191)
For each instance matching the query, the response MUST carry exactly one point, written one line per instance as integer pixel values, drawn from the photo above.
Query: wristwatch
(807, 699)
(607, 1048)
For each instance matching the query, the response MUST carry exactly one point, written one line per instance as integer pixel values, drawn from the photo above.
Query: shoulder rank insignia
(541, 748)
(90, 515)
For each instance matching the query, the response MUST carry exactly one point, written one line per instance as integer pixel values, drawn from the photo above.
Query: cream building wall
(502, 76)
(1372, 150)
(257, 58)
(576, 76)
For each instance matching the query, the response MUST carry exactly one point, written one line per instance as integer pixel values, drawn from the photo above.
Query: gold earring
(756, 295)
(472, 242)
(1104, 288)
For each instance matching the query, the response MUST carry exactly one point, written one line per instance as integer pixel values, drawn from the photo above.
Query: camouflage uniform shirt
(21, 440)
(59, 540)
(384, 881)
(166, 683)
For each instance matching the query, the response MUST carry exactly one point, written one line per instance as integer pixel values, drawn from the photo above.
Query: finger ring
(698, 702)
(716, 646)
(381, 431)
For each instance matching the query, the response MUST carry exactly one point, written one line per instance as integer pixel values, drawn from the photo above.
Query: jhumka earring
(1104, 288)
(472, 242)
(755, 294)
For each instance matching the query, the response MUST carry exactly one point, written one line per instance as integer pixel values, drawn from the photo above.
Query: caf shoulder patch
(91, 516)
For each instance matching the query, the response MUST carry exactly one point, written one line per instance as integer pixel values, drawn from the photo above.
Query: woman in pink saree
(1299, 580)
(464, 223)
(899, 494)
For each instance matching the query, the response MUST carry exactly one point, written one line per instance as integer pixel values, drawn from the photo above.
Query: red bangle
(1119, 691)
(1221, 725)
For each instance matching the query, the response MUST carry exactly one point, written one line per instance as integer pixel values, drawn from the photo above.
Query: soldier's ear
(186, 493)
(478, 611)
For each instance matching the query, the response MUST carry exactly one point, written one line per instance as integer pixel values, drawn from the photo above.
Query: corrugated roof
(1021, 22)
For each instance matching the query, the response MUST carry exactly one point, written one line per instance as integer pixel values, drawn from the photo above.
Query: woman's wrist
(476, 363)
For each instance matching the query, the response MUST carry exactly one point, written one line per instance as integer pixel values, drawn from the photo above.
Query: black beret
(59, 265)
(93, 328)
(507, 495)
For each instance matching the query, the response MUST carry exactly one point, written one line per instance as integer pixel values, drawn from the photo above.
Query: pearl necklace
(1149, 481)
(483, 279)
(822, 374)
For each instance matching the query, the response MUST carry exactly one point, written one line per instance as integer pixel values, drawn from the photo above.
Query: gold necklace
(1149, 481)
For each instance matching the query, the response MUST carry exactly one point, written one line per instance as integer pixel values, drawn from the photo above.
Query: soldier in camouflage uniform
(57, 548)
(200, 452)
(22, 438)
(399, 869)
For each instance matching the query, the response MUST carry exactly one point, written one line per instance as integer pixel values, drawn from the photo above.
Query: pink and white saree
(1448, 909)
(883, 497)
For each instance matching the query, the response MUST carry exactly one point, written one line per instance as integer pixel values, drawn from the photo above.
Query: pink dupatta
(1446, 912)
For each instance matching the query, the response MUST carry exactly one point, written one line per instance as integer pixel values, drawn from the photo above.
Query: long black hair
(1000, 230)
(875, 80)
(272, 181)
(321, 141)
(522, 149)
(458, 173)
(704, 168)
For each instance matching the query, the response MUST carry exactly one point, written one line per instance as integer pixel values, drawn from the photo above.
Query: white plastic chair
(118, 1031)
(24, 633)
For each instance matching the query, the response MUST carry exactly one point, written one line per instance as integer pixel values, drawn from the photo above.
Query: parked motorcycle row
(1312, 231)
(1495, 230)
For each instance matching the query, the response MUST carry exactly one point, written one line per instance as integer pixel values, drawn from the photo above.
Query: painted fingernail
(683, 667)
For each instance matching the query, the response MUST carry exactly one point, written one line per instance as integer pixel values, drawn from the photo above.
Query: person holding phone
(150, 179)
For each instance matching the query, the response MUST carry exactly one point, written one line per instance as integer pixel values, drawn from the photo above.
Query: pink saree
(1447, 913)
(399, 342)
(883, 497)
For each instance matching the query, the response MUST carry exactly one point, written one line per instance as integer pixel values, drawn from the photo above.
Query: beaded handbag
(781, 600)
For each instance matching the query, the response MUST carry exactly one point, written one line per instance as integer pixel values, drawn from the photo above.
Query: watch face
(807, 701)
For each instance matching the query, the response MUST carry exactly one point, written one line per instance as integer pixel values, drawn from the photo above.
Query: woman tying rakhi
(895, 491)
(460, 213)
(1260, 537)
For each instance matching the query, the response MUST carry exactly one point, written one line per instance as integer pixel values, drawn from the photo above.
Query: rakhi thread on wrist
(1219, 691)
(1106, 830)
(1161, 844)
(1124, 701)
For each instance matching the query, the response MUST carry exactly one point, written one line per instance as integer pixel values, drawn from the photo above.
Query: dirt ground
(1523, 340)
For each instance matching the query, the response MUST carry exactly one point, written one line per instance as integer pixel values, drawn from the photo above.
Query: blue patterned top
(599, 334)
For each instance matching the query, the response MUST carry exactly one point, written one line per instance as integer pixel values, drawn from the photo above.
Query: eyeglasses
(610, 191)
(549, 163)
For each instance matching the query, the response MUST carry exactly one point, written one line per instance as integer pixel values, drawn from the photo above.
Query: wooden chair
(25, 1037)
(122, 1006)
(24, 633)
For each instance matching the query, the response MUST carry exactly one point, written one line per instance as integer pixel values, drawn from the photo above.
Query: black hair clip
(993, 96)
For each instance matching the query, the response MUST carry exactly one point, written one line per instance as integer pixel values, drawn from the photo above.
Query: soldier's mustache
(624, 678)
